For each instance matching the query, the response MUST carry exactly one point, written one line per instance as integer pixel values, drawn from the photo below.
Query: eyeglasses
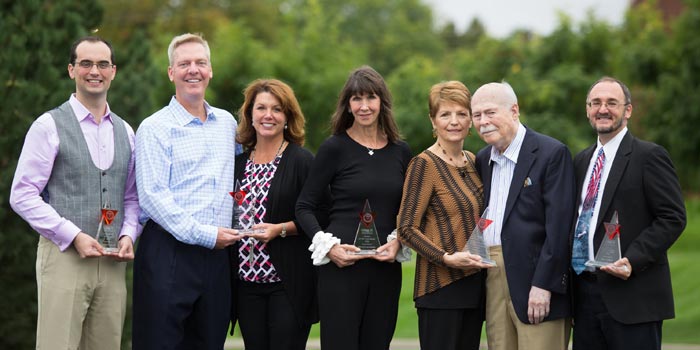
(608, 105)
(87, 64)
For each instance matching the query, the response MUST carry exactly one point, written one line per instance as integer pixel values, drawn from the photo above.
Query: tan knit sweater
(438, 212)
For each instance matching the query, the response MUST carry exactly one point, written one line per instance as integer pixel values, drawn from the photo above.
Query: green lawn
(684, 258)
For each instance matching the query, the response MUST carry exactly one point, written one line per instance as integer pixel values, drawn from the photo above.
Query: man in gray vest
(75, 178)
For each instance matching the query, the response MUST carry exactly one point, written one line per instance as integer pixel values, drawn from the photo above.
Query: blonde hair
(187, 38)
(448, 91)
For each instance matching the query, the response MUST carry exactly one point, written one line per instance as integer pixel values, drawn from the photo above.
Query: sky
(502, 17)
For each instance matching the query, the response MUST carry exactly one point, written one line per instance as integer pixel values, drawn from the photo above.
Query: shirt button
(104, 190)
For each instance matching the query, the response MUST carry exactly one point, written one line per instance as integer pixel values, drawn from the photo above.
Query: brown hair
(90, 39)
(294, 133)
(449, 91)
(606, 79)
(365, 80)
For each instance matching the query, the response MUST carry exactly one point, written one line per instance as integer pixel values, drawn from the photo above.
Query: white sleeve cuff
(320, 245)
(404, 253)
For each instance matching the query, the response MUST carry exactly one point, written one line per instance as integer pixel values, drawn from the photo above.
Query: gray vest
(77, 188)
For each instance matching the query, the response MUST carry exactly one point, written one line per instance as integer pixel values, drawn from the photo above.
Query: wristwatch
(284, 231)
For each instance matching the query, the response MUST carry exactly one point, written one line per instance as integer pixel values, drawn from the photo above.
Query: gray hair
(187, 38)
(503, 91)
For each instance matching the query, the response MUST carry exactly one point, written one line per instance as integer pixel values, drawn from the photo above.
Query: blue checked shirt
(184, 172)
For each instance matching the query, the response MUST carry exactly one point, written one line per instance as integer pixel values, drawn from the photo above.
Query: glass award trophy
(106, 232)
(609, 250)
(475, 243)
(367, 238)
(242, 210)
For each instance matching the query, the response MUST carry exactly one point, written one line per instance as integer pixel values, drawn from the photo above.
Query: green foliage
(674, 115)
(36, 37)
(410, 85)
(313, 45)
(130, 94)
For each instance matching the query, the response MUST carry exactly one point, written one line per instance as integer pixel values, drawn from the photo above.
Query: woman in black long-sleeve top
(274, 281)
(363, 160)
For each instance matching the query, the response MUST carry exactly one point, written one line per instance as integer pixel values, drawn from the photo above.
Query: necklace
(370, 150)
(252, 155)
(461, 169)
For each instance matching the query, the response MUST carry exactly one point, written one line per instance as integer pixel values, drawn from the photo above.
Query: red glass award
(367, 237)
(609, 251)
(106, 232)
(242, 212)
(476, 244)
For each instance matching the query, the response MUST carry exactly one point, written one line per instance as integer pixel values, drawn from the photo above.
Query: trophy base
(111, 250)
(488, 262)
(595, 263)
(364, 252)
(249, 231)
(599, 264)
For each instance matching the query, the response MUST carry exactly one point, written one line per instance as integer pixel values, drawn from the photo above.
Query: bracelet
(284, 231)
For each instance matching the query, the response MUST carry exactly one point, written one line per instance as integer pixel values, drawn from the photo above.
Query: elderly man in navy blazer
(529, 190)
(623, 305)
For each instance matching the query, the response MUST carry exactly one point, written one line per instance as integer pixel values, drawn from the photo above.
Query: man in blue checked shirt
(184, 173)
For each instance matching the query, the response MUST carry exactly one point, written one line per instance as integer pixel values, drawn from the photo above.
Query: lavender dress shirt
(36, 163)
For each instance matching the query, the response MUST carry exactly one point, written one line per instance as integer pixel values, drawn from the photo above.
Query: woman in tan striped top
(442, 199)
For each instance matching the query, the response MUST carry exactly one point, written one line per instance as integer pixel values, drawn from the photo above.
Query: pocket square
(528, 182)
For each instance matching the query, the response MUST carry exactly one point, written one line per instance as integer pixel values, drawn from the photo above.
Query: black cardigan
(290, 255)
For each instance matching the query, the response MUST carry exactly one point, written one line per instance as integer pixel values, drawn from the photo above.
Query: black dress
(359, 303)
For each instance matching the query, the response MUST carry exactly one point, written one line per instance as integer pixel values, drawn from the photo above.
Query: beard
(616, 126)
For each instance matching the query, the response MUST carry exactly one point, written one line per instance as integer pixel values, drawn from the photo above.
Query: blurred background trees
(313, 45)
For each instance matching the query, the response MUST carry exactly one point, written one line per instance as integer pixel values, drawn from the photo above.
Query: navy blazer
(537, 221)
(643, 188)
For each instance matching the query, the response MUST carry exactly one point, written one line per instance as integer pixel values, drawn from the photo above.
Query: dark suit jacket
(643, 188)
(537, 222)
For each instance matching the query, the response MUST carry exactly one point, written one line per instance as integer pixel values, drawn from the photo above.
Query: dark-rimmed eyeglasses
(87, 64)
(608, 104)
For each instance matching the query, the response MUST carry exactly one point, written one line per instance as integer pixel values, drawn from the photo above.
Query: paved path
(412, 344)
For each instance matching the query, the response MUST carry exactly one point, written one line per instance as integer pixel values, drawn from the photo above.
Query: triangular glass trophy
(367, 237)
(106, 232)
(609, 251)
(242, 211)
(475, 243)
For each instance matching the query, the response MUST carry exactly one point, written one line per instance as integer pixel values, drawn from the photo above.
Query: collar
(183, 117)
(513, 149)
(81, 112)
(614, 143)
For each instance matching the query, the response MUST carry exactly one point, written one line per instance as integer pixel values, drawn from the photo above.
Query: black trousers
(358, 305)
(182, 294)
(267, 319)
(594, 328)
(449, 329)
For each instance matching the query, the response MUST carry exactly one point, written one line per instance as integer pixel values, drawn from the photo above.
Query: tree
(130, 94)
(36, 37)
(674, 115)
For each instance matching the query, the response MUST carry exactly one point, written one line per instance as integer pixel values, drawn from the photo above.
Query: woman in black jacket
(274, 281)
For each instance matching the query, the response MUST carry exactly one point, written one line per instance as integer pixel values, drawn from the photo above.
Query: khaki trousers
(82, 302)
(504, 331)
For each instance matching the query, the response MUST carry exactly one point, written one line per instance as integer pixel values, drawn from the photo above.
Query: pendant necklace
(252, 155)
(463, 169)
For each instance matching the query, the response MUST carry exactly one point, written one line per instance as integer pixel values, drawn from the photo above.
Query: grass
(684, 258)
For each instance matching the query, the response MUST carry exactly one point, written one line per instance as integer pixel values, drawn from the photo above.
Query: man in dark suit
(623, 305)
(529, 190)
